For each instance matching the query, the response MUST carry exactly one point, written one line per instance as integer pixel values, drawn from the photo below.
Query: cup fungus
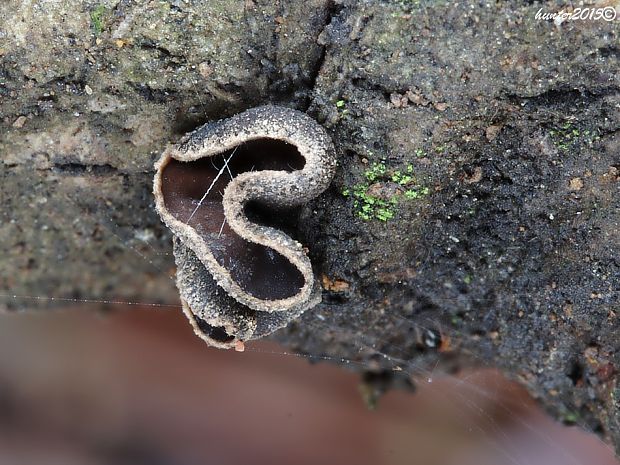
(227, 192)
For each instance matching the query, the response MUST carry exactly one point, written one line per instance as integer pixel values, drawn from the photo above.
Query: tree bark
(474, 217)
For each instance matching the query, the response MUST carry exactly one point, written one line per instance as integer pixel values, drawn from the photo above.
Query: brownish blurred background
(134, 386)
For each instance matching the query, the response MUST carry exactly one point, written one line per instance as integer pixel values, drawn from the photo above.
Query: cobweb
(470, 398)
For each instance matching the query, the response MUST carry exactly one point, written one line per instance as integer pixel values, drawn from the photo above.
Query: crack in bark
(333, 11)
(77, 169)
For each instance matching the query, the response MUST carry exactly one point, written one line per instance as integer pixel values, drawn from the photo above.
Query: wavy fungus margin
(228, 192)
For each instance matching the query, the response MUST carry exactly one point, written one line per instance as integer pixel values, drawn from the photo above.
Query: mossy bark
(511, 123)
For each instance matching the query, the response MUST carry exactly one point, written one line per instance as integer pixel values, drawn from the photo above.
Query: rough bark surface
(507, 253)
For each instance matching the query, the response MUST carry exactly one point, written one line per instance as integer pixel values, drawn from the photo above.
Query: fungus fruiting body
(228, 193)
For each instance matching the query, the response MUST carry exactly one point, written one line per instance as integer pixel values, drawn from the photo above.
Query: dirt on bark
(475, 214)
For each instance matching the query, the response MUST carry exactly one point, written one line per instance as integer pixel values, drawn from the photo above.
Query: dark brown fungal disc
(228, 192)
